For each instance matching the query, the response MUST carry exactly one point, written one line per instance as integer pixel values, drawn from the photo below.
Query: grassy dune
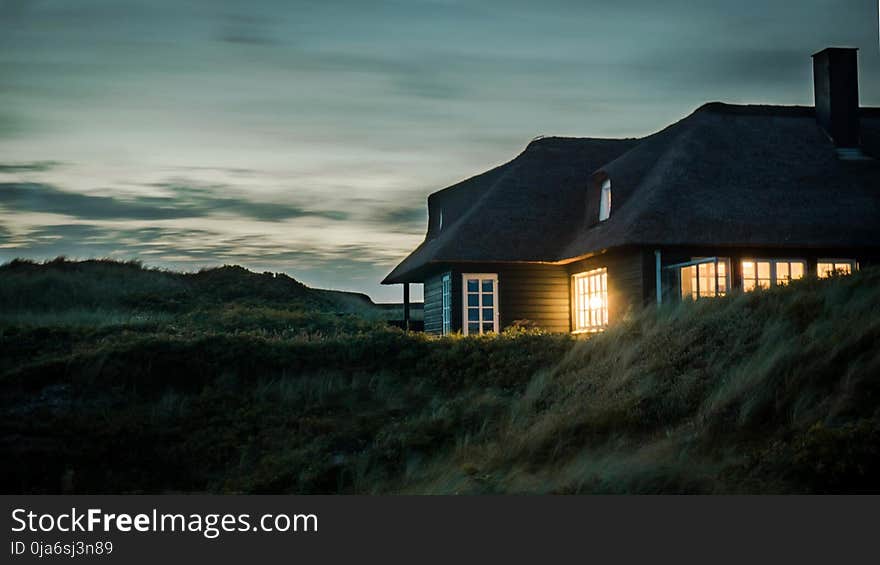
(221, 386)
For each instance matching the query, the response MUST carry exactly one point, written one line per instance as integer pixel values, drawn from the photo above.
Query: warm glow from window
(590, 300)
(764, 274)
(605, 201)
(703, 280)
(829, 267)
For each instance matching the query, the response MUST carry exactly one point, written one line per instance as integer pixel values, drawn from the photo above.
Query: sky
(304, 136)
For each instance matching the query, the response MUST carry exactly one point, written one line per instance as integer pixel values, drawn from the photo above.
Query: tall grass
(775, 391)
(691, 398)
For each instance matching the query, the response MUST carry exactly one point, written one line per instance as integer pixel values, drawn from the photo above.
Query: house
(575, 232)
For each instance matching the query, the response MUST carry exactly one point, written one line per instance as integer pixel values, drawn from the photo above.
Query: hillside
(100, 292)
(776, 391)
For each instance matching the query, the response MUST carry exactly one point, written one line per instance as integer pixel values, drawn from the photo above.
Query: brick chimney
(836, 84)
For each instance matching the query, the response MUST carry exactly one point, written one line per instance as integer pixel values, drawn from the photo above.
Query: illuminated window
(480, 292)
(605, 201)
(446, 284)
(703, 280)
(787, 271)
(829, 267)
(769, 272)
(590, 300)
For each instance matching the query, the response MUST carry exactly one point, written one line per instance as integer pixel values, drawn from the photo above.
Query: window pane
(705, 280)
(748, 284)
(473, 285)
(487, 285)
(797, 270)
(782, 272)
(828, 268)
(473, 299)
(488, 314)
(748, 268)
(590, 300)
(688, 282)
(764, 270)
(473, 314)
(473, 328)
(488, 300)
(490, 327)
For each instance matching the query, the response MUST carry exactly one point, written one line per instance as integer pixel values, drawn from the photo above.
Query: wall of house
(541, 294)
(537, 295)
(626, 279)
(434, 304)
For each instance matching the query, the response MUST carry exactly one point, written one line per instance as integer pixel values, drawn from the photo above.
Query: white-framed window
(827, 267)
(704, 278)
(480, 303)
(605, 201)
(764, 273)
(446, 286)
(590, 304)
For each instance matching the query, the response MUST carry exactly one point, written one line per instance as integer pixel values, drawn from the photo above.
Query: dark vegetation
(115, 378)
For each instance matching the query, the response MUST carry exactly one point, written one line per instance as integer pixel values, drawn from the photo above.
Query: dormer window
(605, 200)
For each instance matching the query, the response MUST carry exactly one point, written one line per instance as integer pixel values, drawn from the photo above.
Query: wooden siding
(626, 279)
(434, 304)
(536, 294)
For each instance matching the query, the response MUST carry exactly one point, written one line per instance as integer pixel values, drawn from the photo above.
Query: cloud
(180, 246)
(184, 202)
(404, 219)
(347, 266)
(32, 167)
(36, 197)
(92, 241)
(203, 199)
(246, 30)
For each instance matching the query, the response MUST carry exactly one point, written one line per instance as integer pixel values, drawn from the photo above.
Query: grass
(280, 391)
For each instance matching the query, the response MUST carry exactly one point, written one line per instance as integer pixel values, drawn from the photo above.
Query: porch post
(406, 306)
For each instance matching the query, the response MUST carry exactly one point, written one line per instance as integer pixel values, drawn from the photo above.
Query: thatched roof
(724, 176)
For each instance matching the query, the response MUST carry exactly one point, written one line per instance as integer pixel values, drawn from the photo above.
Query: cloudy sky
(304, 136)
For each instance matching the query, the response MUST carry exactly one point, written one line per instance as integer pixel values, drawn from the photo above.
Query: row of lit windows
(712, 278)
(590, 289)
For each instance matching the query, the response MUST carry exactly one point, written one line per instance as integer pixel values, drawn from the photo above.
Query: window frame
(575, 303)
(696, 262)
(496, 318)
(773, 271)
(446, 304)
(605, 202)
(853, 265)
